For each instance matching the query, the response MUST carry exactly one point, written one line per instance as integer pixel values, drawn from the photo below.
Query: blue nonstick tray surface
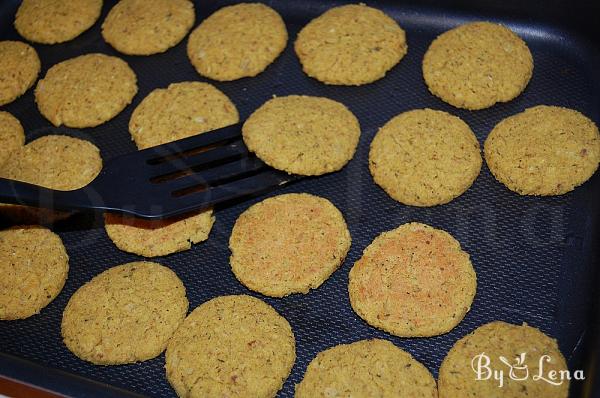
(535, 257)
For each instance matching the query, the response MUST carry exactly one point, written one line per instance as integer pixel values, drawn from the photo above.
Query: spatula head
(164, 181)
(185, 175)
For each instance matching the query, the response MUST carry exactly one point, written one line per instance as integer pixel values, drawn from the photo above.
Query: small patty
(85, 91)
(53, 161)
(152, 238)
(34, 266)
(288, 244)
(477, 65)
(179, 111)
(145, 27)
(237, 41)
(126, 314)
(366, 368)
(425, 157)
(350, 45)
(545, 150)
(413, 281)
(521, 347)
(12, 136)
(231, 346)
(168, 114)
(19, 69)
(302, 135)
(56, 21)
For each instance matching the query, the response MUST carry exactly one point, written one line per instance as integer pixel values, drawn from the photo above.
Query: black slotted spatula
(163, 181)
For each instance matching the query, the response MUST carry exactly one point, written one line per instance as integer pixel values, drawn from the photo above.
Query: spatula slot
(203, 160)
(218, 182)
(190, 152)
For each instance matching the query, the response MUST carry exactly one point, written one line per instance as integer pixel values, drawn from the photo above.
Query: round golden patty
(85, 91)
(237, 41)
(179, 111)
(413, 281)
(34, 266)
(509, 348)
(366, 368)
(302, 135)
(425, 157)
(55, 162)
(288, 244)
(12, 136)
(231, 346)
(144, 27)
(19, 69)
(350, 45)
(56, 21)
(126, 314)
(477, 65)
(545, 150)
(152, 238)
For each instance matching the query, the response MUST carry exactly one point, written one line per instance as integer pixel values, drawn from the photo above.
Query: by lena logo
(518, 370)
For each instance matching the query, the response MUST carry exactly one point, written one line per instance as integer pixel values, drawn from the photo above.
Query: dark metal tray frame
(535, 258)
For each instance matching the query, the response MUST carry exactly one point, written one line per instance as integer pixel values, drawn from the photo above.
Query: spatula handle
(22, 193)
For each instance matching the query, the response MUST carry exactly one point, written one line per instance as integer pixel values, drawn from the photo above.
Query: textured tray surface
(532, 255)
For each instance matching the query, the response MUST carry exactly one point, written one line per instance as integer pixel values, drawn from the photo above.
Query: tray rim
(561, 35)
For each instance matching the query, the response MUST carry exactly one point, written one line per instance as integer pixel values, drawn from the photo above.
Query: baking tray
(535, 258)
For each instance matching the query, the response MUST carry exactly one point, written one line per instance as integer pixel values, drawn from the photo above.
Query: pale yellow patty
(288, 244)
(231, 346)
(302, 135)
(179, 111)
(365, 369)
(545, 150)
(34, 266)
(150, 238)
(12, 136)
(477, 65)
(53, 161)
(413, 281)
(144, 27)
(56, 162)
(457, 379)
(19, 68)
(237, 41)
(56, 21)
(425, 157)
(126, 314)
(350, 45)
(85, 91)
